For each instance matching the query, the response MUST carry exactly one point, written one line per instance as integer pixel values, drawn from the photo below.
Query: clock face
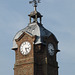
(25, 48)
(51, 49)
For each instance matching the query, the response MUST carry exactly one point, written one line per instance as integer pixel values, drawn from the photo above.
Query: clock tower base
(25, 69)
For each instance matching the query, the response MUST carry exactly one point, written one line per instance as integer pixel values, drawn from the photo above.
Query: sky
(58, 17)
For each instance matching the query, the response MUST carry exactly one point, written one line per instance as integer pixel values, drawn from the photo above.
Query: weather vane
(34, 2)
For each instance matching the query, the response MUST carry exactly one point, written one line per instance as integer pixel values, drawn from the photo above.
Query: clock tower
(35, 48)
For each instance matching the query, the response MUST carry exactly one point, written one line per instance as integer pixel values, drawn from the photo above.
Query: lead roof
(33, 29)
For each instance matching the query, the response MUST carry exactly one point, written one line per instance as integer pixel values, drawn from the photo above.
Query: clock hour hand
(26, 49)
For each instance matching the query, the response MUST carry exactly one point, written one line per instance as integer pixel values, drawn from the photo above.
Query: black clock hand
(26, 49)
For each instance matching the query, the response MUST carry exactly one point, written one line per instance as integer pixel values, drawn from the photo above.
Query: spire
(35, 14)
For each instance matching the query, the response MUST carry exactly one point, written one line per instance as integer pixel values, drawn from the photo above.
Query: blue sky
(58, 17)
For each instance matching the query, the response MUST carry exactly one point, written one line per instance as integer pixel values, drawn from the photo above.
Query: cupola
(35, 15)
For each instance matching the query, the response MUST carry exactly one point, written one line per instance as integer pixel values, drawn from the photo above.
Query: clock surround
(25, 48)
(51, 49)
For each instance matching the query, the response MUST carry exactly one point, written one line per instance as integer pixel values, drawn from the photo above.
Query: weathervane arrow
(35, 2)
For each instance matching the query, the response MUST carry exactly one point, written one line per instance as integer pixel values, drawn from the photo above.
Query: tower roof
(33, 29)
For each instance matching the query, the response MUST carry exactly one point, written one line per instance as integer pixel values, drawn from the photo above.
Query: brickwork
(24, 64)
(52, 64)
(38, 61)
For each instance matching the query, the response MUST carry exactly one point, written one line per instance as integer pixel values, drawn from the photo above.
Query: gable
(23, 36)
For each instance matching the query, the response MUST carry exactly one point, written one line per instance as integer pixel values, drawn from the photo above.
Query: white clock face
(51, 49)
(25, 48)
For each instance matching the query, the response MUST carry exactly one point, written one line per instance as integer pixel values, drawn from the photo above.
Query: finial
(34, 2)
